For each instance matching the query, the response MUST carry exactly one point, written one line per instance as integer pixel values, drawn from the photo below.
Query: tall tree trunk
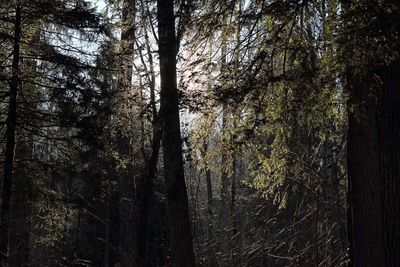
(22, 198)
(373, 167)
(389, 161)
(10, 142)
(112, 230)
(150, 169)
(223, 220)
(181, 242)
(20, 228)
(209, 197)
(210, 215)
(373, 157)
(147, 194)
(372, 146)
(127, 201)
(224, 209)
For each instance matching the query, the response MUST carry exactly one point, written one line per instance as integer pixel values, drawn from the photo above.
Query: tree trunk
(374, 172)
(373, 158)
(10, 142)
(181, 243)
(389, 167)
(20, 228)
(209, 197)
(150, 169)
(146, 195)
(127, 201)
(22, 197)
(224, 208)
(223, 220)
(112, 230)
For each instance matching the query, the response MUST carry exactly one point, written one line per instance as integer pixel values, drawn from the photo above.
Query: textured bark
(20, 227)
(366, 193)
(10, 142)
(223, 218)
(209, 198)
(23, 192)
(146, 196)
(374, 172)
(389, 161)
(224, 191)
(373, 157)
(181, 243)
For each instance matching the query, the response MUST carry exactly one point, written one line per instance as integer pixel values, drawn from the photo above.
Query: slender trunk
(107, 231)
(210, 216)
(10, 142)
(236, 115)
(181, 243)
(150, 169)
(20, 227)
(127, 202)
(209, 198)
(223, 217)
(233, 238)
(146, 195)
(21, 201)
(113, 229)
(224, 175)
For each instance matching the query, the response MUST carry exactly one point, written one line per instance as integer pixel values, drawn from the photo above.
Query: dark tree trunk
(181, 243)
(20, 227)
(10, 142)
(365, 183)
(113, 229)
(209, 198)
(146, 189)
(224, 208)
(374, 172)
(146, 196)
(389, 161)
(22, 197)
(210, 215)
(374, 156)
(127, 203)
(223, 219)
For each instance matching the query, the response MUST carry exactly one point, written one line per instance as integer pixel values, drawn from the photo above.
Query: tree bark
(373, 157)
(374, 172)
(127, 202)
(209, 197)
(389, 167)
(146, 196)
(181, 243)
(10, 142)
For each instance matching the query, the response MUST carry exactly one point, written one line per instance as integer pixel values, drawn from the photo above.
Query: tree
(181, 243)
(373, 135)
(35, 97)
(10, 135)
